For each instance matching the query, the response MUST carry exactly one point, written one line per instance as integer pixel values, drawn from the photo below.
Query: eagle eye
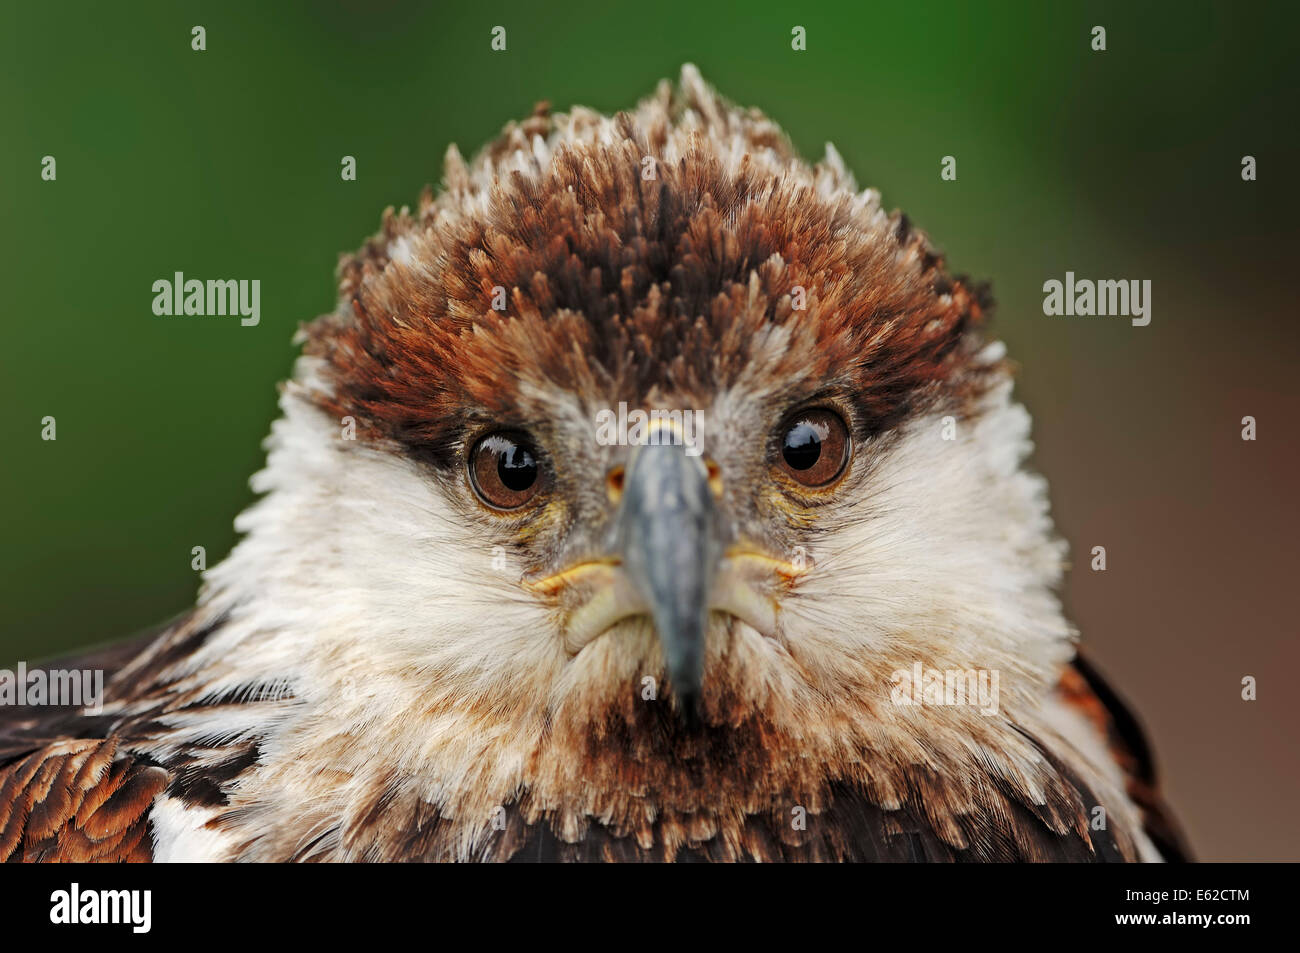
(504, 471)
(814, 447)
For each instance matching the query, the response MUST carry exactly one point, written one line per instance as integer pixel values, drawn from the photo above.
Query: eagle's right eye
(504, 471)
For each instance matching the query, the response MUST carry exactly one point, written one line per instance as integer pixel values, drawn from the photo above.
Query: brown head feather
(621, 286)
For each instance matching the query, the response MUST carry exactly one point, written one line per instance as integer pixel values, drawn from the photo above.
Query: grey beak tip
(688, 706)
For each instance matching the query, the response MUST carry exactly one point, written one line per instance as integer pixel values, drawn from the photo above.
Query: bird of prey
(461, 625)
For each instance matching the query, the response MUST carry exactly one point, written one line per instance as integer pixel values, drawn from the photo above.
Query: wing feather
(1083, 688)
(77, 800)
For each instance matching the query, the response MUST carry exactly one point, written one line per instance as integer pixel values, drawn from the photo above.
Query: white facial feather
(361, 586)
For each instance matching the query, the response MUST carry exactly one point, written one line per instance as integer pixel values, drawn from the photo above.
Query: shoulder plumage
(74, 784)
(78, 801)
(1084, 689)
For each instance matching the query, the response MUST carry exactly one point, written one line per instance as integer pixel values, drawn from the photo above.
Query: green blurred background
(1122, 164)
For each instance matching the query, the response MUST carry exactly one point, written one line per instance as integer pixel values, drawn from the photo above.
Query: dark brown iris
(814, 447)
(504, 470)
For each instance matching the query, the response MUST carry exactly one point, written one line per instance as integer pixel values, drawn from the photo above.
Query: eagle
(465, 621)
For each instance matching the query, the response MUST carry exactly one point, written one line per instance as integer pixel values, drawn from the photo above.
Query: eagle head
(642, 444)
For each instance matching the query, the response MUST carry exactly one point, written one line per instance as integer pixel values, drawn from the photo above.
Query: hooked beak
(667, 537)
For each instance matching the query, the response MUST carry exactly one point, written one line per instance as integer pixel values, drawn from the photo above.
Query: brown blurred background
(1122, 164)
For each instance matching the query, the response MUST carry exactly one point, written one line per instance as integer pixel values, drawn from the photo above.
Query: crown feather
(651, 251)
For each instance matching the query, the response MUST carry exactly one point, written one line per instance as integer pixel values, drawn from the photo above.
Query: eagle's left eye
(504, 471)
(814, 447)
